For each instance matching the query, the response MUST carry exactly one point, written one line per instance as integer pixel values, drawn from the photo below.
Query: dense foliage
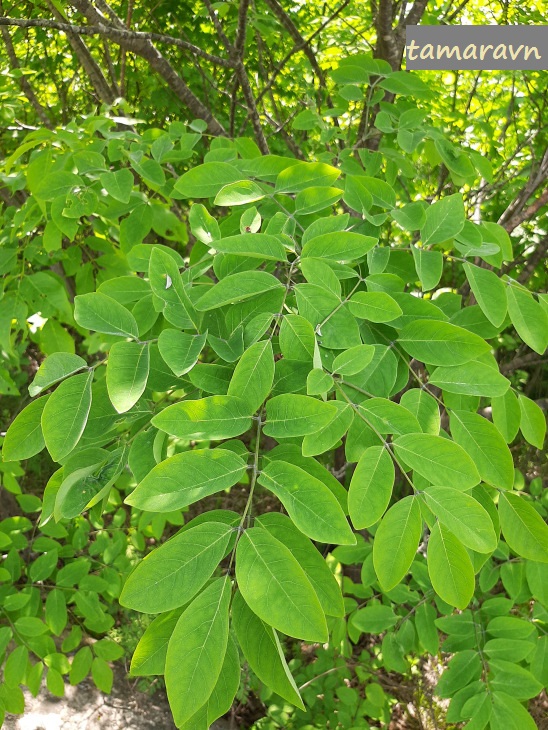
(272, 395)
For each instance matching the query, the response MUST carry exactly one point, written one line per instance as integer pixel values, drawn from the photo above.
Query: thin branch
(298, 47)
(104, 92)
(238, 65)
(294, 32)
(117, 35)
(26, 88)
(526, 213)
(144, 47)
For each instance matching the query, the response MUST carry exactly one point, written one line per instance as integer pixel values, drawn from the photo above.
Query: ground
(85, 708)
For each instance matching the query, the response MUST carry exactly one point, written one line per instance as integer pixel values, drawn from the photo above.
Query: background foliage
(273, 314)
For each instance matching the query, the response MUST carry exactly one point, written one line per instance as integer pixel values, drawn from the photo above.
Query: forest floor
(85, 708)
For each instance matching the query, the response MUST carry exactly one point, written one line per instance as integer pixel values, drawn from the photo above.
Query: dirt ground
(85, 708)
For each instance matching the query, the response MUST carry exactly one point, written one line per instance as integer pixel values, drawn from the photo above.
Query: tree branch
(91, 67)
(527, 213)
(142, 45)
(536, 179)
(294, 32)
(118, 35)
(236, 57)
(26, 88)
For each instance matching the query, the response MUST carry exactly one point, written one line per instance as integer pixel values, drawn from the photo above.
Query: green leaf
(43, 566)
(205, 181)
(362, 188)
(119, 184)
(429, 266)
(523, 528)
(314, 199)
(512, 650)
(303, 175)
(464, 668)
(309, 558)
(509, 714)
(533, 421)
(328, 436)
(490, 292)
(56, 611)
(167, 284)
(529, 318)
(56, 367)
(293, 454)
(406, 84)
(253, 375)
(255, 245)
(237, 288)
(356, 195)
(482, 441)
(510, 627)
(239, 193)
(427, 632)
(149, 657)
(296, 415)
(353, 360)
(16, 666)
(438, 459)
(318, 382)
(374, 619)
(180, 350)
(196, 651)
(464, 516)
(263, 651)
(374, 306)
(385, 417)
(171, 575)
(506, 415)
(297, 338)
(473, 378)
(202, 224)
(30, 626)
(371, 487)
(335, 325)
(55, 184)
(441, 343)
(101, 313)
(24, 437)
(396, 542)
(342, 246)
(411, 216)
(81, 665)
(215, 417)
(89, 484)
(65, 415)
(225, 690)
(514, 680)
(309, 503)
(450, 568)
(186, 478)
(125, 289)
(127, 373)
(425, 409)
(102, 674)
(276, 588)
(444, 220)
(54, 683)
